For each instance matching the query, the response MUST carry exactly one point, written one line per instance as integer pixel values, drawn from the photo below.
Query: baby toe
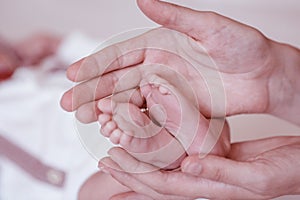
(108, 128)
(105, 105)
(115, 136)
(125, 139)
(103, 119)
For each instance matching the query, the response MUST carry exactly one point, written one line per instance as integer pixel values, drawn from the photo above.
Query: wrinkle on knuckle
(219, 175)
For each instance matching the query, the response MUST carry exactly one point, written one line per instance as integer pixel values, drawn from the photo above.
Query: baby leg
(101, 186)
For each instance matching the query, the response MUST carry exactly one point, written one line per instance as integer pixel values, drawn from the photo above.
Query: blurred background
(98, 20)
(103, 18)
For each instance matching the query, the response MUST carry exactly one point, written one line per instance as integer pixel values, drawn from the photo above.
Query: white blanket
(31, 118)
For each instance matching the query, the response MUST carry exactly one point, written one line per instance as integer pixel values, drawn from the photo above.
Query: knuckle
(219, 175)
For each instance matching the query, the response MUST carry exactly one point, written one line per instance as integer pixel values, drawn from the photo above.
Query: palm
(242, 56)
(241, 62)
(174, 55)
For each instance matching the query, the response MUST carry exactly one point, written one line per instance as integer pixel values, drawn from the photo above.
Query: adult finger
(199, 25)
(167, 182)
(128, 53)
(142, 189)
(119, 55)
(243, 151)
(89, 112)
(107, 164)
(224, 170)
(100, 87)
(130, 181)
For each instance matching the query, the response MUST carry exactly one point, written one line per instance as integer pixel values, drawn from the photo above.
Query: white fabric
(30, 116)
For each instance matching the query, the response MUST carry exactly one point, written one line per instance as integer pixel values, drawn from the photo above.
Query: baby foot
(182, 118)
(125, 124)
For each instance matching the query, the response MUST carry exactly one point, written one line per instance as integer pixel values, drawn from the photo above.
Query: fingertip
(66, 101)
(115, 151)
(147, 6)
(142, 3)
(161, 12)
(72, 71)
(106, 162)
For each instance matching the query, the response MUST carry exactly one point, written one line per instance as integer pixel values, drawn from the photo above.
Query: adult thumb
(197, 24)
(219, 169)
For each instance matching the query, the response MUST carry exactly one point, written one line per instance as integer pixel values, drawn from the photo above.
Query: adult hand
(261, 169)
(248, 62)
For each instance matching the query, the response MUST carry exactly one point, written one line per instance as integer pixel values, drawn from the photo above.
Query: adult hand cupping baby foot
(245, 60)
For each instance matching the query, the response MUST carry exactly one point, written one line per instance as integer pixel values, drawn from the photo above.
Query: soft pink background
(278, 19)
(100, 19)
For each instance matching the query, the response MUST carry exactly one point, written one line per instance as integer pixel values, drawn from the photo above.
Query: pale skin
(263, 68)
(256, 70)
(124, 123)
(262, 169)
(175, 117)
